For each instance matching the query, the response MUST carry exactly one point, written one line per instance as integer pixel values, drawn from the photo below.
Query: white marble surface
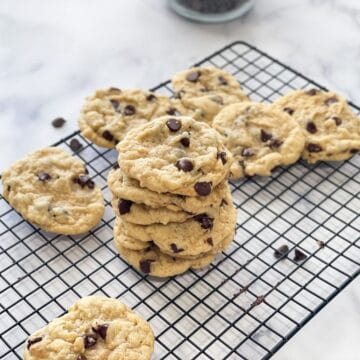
(52, 55)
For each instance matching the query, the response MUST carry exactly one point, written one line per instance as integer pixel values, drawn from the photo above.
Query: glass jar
(211, 11)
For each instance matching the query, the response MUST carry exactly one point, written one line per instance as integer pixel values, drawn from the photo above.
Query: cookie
(193, 237)
(175, 154)
(130, 243)
(109, 114)
(125, 188)
(332, 129)
(207, 89)
(52, 189)
(260, 138)
(94, 328)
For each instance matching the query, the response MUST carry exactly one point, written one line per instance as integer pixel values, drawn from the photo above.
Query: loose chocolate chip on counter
(313, 147)
(193, 77)
(222, 80)
(210, 241)
(129, 110)
(331, 100)
(101, 330)
(33, 341)
(311, 127)
(84, 180)
(90, 340)
(275, 143)
(247, 152)
(184, 165)
(312, 92)
(175, 249)
(150, 97)
(107, 135)
(299, 255)
(205, 221)
(43, 176)
(81, 357)
(173, 111)
(185, 142)
(320, 243)
(288, 110)
(145, 265)
(265, 136)
(115, 103)
(354, 151)
(58, 122)
(281, 252)
(203, 188)
(337, 120)
(124, 206)
(173, 125)
(75, 145)
(222, 155)
(258, 300)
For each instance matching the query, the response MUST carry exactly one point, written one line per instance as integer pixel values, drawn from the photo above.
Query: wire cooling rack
(248, 303)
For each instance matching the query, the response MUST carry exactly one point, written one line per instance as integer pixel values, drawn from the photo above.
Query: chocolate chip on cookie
(222, 155)
(175, 249)
(90, 340)
(81, 357)
(222, 80)
(101, 330)
(173, 111)
(184, 165)
(114, 89)
(43, 176)
(151, 97)
(145, 265)
(185, 142)
(85, 180)
(205, 221)
(193, 76)
(311, 127)
(107, 135)
(275, 143)
(129, 110)
(33, 341)
(173, 125)
(288, 110)
(313, 148)
(312, 92)
(124, 206)
(265, 136)
(331, 100)
(58, 122)
(210, 241)
(115, 103)
(203, 188)
(247, 152)
(337, 120)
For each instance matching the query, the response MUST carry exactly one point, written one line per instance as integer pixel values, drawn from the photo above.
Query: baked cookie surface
(51, 189)
(260, 138)
(175, 154)
(332, 129)
(95, 328)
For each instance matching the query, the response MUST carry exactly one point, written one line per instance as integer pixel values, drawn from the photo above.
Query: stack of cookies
(173, 205)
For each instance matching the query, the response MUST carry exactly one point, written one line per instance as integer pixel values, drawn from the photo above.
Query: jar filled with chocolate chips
(211, 11)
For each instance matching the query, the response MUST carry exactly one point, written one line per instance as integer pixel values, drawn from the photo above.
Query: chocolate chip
(331, 100)
(179, 94)
(185, 142)
(8, 188)
(145, 265)
(320, 243)
(173, 111)
(84, 180)
(151, 97)
(312, 92)
(124, 206)
(203, 188)
(33, 341)
(107, 135)
(193, 76)
(222, 155)
(115, 103)
(101, 330)
(173, 125)
(313, 147)
(288, 110)
(265, 136)
(222, 80)
(43, 176)
(337, 120)
(90, 340)
(184, 165)
(75, 145)
(114, 89)
(116, 166)
(281, 252)
(354, 151)
(58, 122)
(247, 152)
(217, 99)
(81, 357)
(175, 249)
(258, 301)
(223, 202)
(129, 110)
(311, 127)
(275, 143)
(205, 221)
(210, 241)
(299, 255)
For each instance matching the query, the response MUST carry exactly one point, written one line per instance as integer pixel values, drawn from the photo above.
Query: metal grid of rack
(248, 303)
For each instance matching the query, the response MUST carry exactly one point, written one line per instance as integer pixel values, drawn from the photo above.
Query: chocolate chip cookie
(207, 89)
(332, 129)
(260, 137)
(175, 154)
(94, 328)
(109, 114)
(52, 189)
